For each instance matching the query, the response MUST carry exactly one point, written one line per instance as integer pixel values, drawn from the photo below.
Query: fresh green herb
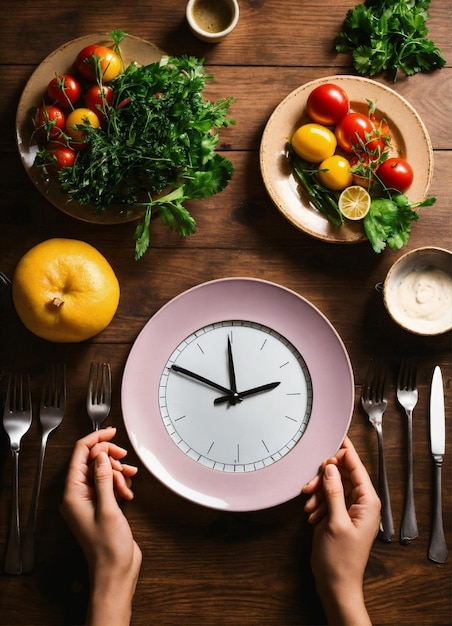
(158, 148)
(389, 220)
(323, 200)
(389, 35)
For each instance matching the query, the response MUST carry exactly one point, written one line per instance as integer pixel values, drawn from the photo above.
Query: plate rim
(161, 456)
(355, 228)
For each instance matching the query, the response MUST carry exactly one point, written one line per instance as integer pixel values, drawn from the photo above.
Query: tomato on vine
(64, 90)
(356, 133)
(61, 155)
(77, 124)
(98, 63)
(99, 98)
(49, 121)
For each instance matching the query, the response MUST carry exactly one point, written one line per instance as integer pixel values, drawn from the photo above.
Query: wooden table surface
(202, 566)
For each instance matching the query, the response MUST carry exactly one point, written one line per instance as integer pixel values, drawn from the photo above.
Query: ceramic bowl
(417, 291)
(212, 20)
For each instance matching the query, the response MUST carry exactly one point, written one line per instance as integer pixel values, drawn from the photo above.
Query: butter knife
(437, 551)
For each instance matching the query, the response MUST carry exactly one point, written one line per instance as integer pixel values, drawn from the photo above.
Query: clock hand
(232, 379)
(248, 392)
(210, 383)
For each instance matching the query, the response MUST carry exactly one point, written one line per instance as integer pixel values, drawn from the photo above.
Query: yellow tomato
(110, 63)
(314, 142)
(334, 173)
(80, 117)
(64, 290)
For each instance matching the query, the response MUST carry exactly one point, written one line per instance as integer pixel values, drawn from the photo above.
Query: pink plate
(293, 317)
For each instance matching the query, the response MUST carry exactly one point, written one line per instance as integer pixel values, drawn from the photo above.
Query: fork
(98, 398)
(407, 396)
(5, 290)
(51, 412)
(17, 417)
(374, 403)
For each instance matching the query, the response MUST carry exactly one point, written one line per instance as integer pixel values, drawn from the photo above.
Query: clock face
(235, 396)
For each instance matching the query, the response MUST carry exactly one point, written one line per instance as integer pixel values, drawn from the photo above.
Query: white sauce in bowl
(425, 293)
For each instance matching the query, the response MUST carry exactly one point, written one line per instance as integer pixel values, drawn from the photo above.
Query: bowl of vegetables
(352, 137)
(110, 129)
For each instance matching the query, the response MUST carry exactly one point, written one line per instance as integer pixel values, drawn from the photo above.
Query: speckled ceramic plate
(61, 61)
(410, 140)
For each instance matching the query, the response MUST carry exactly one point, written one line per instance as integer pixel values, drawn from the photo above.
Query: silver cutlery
(17, 417)
(407, 395)
(437, 551)
(98, 398)
(374, 402)
(51, 412)
(5, 290)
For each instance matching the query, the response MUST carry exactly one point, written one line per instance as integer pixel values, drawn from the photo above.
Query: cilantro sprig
(389, 220)
(158, 148)
(389, 35)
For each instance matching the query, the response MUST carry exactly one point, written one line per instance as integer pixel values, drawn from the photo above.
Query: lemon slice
(354, 202)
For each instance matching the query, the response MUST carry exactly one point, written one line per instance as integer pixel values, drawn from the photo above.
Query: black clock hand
(248, 392)
(210, 383)
(232, 379)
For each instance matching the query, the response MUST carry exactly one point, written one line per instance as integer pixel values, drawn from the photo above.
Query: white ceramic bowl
(212, 20)
(417, 291)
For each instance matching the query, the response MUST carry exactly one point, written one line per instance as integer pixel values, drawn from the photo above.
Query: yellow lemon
(354, 202)
(64, 290)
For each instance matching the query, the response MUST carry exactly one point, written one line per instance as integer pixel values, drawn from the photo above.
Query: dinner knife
(437, 551)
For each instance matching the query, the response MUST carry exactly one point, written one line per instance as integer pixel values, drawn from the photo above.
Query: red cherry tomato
(396, 174)
(98, 98)
(356, 133)
(98, 63)
(327, 104)
(83, 62)
(61, 154)
(64, 90)
(49, 121)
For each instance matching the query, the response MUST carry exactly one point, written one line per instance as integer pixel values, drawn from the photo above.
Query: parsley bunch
(157, 149)
(389, 35)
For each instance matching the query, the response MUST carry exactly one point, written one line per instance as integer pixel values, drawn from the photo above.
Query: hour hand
(244, 394)
(201, 379)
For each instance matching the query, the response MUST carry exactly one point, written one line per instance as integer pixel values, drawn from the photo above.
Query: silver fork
(407, 396)
(17, 416)
(374, 402)
(98, 398)
(51, 412)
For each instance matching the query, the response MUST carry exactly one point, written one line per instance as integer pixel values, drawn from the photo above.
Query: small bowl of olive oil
(212, 20)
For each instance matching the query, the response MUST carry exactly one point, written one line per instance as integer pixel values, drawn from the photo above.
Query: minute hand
(206, 381)
(249, 392)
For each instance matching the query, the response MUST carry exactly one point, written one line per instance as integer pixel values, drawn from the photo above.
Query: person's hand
(96, 480)
(344, 509)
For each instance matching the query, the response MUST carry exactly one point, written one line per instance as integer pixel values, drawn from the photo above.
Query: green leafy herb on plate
(158, 148)
(389, 221)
